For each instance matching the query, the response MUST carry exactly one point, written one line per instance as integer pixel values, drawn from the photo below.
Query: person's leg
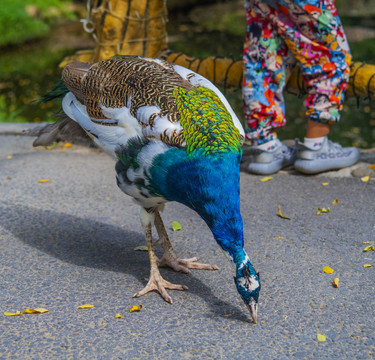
(267, 66)
(313, 32)
(316, 129)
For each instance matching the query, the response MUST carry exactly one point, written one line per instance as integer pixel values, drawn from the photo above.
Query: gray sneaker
(330, 156)
(265, 162)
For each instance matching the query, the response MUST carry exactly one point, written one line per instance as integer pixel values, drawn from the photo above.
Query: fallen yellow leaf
(280, 214)
(17, 313)
(267, 178)
(335, 282)
(36, 311)
(67, 145)
(52, 146)
(86, 306)
(328, 270)
(135, 308)
(369, 248)
(41, 181)
(334, 202)
(141, 248)
(365, 242)
(365, 178)
(367, 265)
(9, 156)
(176, 226)
(325, 184)
(323, 211)
(321, 337)
(372, 167)
(118, 316)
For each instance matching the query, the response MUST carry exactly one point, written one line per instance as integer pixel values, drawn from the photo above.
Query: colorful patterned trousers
(281, 34)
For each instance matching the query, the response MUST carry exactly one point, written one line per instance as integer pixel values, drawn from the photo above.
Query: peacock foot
(157, 283)
(184, 265)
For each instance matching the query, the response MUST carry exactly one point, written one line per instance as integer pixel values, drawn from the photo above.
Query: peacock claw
(184, 265)
(157, 283)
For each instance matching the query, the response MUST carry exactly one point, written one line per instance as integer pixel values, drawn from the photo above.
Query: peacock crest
(207, 124)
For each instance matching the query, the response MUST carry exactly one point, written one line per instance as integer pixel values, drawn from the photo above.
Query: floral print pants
(281, 34)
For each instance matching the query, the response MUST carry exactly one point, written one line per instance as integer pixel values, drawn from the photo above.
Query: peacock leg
(156, 282)
(170, 258)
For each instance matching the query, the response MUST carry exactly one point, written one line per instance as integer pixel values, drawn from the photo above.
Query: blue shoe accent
(266, 162)
(330, 156)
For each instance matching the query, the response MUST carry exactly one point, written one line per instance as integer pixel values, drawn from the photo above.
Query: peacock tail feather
(207, 124)
(58, 91)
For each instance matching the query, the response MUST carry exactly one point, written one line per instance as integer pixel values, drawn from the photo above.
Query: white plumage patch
(141, 194)
(250, 283)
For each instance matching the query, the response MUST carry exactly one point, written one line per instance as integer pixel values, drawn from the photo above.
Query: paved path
(71, 242)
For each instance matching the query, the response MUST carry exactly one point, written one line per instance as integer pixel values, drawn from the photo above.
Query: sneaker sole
(318, 166)
(268, 168)
(264, 169)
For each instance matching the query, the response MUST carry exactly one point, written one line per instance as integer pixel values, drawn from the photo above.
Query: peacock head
(248, 285)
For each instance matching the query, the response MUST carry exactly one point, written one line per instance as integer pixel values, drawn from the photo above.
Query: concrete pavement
(71, 241)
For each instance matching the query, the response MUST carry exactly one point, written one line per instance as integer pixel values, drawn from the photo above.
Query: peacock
(175, 138)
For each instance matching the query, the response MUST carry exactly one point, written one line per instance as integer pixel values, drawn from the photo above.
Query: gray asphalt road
(71, 242)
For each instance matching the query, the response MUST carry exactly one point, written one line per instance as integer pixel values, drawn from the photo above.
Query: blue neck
(209, 185)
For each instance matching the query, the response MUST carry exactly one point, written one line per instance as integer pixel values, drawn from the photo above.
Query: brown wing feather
(111, 82)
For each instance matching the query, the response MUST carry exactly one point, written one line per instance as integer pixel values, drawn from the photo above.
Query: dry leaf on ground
(52, 146)
(86, 306)
(17, 313)
(334, 202)
(141, 248)
(365, 178)
(280, 214)
(36, 311)
(176, 226)
(328, 270)
(335, 282)
(267, 178)
(367, 265)
(321, 337)
(67, 146)
(323, 211)
(118, 316)
(369, 248)
(41, 181)
(135, 308)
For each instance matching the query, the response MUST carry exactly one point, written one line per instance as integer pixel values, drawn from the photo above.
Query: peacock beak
(253, 308)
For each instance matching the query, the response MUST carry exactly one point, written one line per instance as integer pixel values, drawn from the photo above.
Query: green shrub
(21, 20)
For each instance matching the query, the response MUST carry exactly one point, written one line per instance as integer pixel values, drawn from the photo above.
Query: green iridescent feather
(207, 124)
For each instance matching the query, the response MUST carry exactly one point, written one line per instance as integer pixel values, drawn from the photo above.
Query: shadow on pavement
(89, 243)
